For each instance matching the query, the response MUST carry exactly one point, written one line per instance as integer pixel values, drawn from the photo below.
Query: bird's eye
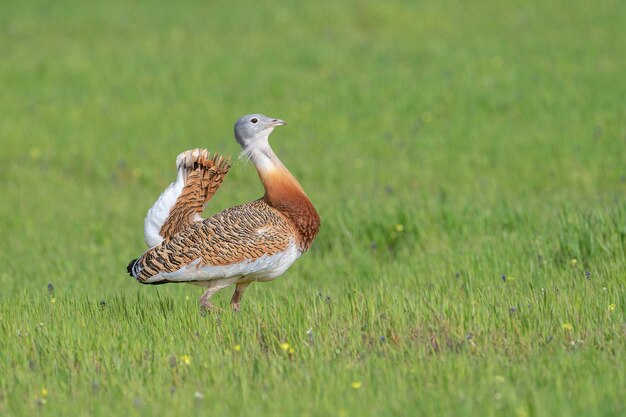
(254, 120)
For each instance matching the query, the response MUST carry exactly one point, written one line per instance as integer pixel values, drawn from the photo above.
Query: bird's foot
(206, 307)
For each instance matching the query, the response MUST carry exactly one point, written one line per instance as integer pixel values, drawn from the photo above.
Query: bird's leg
(204, 300)
(211, 289)
(236, 300)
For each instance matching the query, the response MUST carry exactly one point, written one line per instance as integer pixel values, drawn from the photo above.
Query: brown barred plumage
(203, 176)
(236, 234)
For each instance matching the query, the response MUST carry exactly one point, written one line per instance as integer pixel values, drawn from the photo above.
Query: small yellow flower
(574, 262)
(44, 392)
(356, 384)
(186, 298)
(237, 348)
(511, 278)
(284, 346)
(567, 326)
(291, 350)
(399, 227)
(612, 307)
(53, 300)
(499, 378)
(186, 359)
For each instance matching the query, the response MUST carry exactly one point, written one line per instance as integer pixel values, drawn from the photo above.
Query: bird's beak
(277, 122)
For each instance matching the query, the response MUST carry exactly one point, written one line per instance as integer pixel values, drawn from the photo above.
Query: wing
(181, 204)
(240, 241)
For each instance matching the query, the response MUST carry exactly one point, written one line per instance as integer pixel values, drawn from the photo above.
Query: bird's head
(252, 128)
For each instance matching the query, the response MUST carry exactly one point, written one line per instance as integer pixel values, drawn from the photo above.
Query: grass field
(468, 162)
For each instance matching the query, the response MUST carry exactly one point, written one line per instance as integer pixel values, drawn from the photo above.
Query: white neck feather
(262, 156)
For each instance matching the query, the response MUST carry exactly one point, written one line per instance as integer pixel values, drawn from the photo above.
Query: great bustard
(256, 241)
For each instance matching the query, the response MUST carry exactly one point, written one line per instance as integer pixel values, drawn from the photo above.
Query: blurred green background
(445, 144)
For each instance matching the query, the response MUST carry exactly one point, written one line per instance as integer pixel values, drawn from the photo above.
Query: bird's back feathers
(236, 238)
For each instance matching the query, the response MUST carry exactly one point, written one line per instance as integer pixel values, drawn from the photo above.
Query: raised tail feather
(181, 204)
